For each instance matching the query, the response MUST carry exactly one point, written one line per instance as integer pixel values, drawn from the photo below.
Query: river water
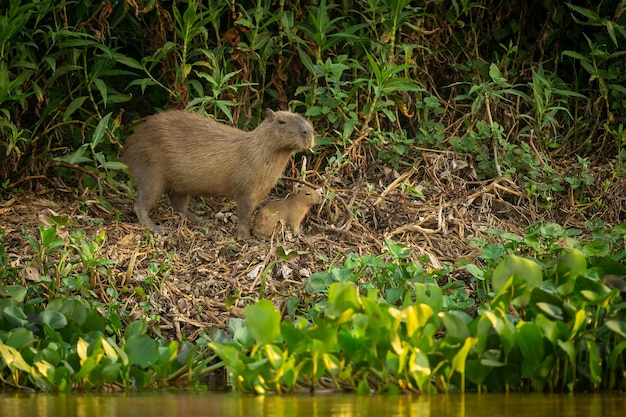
(232, 405)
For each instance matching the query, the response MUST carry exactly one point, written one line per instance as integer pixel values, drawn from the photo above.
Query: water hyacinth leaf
(550, 310)
(15, 316)
(135, 328)
(416, 317)
(332, 364)
(569, 349)
(512, 265)
(419, 369)
(578, 324)
(456, 323)
(240, 332)
(616, 326)
(81, 349)
(530, 340)
(475, 371)
(363, 387)
(342, 297)
(13, 358)
(458, 362)
(595, 298)
(17, 293)
(274, 355)
(429, 294)
(615, 358)
(54, 319)
(20, 338)
(232, 356)
(263, 321)
(504, 328)
(571, 264)
(595, 362)
(141, 350)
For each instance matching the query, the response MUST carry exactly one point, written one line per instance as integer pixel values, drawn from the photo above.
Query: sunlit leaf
(263, 321)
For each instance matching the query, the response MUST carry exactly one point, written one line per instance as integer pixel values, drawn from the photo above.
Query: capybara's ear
(270, 114)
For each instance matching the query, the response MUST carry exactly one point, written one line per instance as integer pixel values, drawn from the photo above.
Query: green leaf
(15, 316)
(459, 360)
(530, 340)
(342, 297)
(616, 326)
(16, 292)
(135, 328)
(456, 323)
(54, 319)
(141, 350)
(73, 106)
(595, 362)
(20, 338)
(102, 88)
(263, 321)
(529, 274)
(98, 134)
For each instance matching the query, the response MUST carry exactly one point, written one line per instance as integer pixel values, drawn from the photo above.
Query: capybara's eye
(281, 122)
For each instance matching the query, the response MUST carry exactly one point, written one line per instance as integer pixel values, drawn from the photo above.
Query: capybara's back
(186, 154)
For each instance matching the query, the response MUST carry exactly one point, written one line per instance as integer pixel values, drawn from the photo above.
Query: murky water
(231, 405)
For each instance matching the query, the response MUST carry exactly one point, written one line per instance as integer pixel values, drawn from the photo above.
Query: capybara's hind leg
(180, 203)
(147, 196)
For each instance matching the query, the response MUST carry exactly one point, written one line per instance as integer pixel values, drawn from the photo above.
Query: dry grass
(209, 266)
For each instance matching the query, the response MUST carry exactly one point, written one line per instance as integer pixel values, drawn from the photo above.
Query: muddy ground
(192, 273)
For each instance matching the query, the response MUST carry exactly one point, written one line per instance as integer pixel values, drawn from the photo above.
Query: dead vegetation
(198, 276)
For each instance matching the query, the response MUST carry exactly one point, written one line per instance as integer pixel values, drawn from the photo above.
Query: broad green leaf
(54, 319)
(569, 349)
(456, 323)
(332, 364)
(342, 297)
(616, 326)
(550, 310)
(263, 321)
(15, 316)
(523, 274)
(135, 328)
(141, 350)
(20, 338)
(16, 292)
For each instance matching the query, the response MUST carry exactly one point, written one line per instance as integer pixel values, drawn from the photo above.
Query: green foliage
(63, 344)
(69, 85)
(542, 325)
(56, 336)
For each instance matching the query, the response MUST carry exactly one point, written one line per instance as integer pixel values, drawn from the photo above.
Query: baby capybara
(186, 154)
(290, 211)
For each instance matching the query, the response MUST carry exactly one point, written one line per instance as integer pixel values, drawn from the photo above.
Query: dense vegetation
(531, 92)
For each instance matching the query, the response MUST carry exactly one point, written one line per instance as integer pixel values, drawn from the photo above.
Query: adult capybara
(290, 211)
(186, 154)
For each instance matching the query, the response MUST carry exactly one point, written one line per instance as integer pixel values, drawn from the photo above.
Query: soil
(199, 275)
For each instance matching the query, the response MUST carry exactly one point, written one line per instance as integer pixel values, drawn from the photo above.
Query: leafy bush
(554, 322)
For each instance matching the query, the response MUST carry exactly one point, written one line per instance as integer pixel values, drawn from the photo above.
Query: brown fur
(186, 154)
(290, 211)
